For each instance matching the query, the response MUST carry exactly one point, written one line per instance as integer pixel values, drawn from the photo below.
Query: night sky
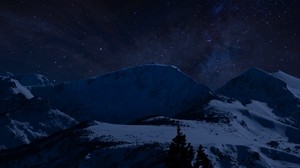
(210, 40)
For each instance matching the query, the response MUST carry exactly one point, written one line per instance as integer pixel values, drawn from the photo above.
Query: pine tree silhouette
(181, 153)
(202, 159)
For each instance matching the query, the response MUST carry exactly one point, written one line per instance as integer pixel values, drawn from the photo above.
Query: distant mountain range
(127, 118)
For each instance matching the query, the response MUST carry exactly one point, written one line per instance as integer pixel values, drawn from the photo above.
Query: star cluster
(211, 40)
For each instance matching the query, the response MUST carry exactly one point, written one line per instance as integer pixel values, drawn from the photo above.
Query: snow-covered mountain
(24, 118)
(32, 80)
(10, 87)
(240, 143)
(28, 79)
(128, 94)
(279, 91)
(293, 84)
(252, 121)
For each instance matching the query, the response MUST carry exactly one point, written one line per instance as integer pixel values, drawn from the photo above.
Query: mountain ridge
(256, 84)
(149, 89)
(246, 123)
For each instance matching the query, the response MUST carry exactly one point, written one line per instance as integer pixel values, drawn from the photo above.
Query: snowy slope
(10, 87)
(278, 91)
(230, 139)
(24, 118)
(241, 143)
(293, 84)
(128, 94)
(241, 137)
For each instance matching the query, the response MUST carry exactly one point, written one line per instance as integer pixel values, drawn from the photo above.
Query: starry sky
(210, 40)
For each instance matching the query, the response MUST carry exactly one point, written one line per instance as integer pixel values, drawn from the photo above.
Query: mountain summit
(272, 89)
(126, 95)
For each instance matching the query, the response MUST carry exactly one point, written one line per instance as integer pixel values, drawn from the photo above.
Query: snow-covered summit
(254, 84)
(10, 87)
(28, 79)
(272, 89)
(128, 94)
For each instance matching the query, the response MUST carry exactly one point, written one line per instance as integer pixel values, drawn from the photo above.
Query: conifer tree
(202, 159)
(181, 153)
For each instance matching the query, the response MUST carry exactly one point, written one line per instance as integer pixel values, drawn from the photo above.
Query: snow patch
(293, 83)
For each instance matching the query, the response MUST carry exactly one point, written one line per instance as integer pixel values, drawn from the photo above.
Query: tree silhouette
(181, 153)
(202, 159)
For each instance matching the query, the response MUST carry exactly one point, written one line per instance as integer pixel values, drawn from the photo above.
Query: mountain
(277, 90)
(32, 79)
(127, 95)
(28, 79)
(240, 143)
(10, 87)
(252, 121)
(24, 118)
(293, 84)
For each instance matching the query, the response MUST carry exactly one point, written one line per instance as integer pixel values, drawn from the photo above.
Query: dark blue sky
(211, 40)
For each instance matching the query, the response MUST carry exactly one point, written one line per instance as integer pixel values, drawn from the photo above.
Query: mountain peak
(30, 79)
(255, 69)
(145, 69)
(252, 78)
(128, 94)
(256, 84)
(146, 66)
(9, 87)
(255, 72)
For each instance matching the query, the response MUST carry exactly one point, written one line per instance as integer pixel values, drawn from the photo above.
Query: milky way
(210, 40)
